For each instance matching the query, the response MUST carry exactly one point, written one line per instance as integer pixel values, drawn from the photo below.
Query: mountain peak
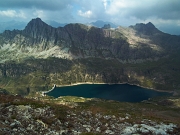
(35, 22)
(147, 29)
(150, 25)
(37, 19)
(100, 24)
(36, 26)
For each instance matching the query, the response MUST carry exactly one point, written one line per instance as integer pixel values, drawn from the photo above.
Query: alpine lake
(117, 92)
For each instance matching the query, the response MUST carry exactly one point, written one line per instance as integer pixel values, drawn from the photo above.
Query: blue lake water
(118, 92)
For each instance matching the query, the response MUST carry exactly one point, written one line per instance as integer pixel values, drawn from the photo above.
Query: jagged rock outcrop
(106, 26)
(146, 29)
(41, 32)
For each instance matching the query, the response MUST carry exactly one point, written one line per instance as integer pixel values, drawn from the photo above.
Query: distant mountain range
(55, 24)
(41, 55)
(100, 24)
(11, 25)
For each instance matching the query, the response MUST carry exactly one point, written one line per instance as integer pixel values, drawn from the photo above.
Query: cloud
(86, 14)
(39, 13)
(25, 10)
(12, 14)
(105, 4)
(143, 9)
(39, 4)
(121, 12)
(96, 9)
(103, 9)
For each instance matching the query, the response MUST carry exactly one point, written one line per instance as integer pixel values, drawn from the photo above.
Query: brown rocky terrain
(20, 115)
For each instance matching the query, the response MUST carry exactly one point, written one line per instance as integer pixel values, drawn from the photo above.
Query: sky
(164, 14)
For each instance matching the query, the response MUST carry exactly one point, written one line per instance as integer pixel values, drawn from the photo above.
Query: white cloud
(39, 13)
(51, 5)
(86, 14)
(144, 9)
(126, 7)
(12, 14)
(105, 4)
(178, 22)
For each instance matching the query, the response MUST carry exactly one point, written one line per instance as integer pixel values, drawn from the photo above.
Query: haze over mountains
(11, 25)
(100, 24)
(140, 54)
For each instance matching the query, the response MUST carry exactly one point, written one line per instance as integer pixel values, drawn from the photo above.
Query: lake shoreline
(74, 84)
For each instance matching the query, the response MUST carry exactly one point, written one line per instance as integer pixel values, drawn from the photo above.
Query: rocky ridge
(40, 40)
